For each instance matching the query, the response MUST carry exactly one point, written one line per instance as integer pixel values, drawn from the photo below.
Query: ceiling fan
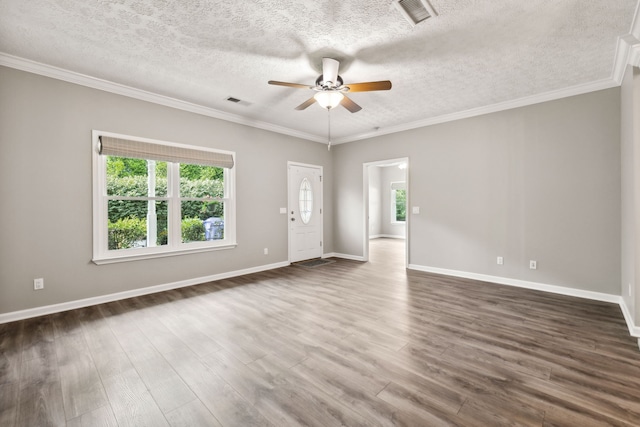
(330, 88)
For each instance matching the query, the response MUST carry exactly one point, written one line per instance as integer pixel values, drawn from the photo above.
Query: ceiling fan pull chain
(329, 131)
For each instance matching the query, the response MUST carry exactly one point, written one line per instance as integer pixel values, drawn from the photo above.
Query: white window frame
(101, 253)
(393, 203)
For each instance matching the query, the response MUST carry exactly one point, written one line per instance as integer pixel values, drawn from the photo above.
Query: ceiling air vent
(415, 11)
(237, 101)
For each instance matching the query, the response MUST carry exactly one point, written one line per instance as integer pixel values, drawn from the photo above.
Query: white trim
(634, 330)
(501, 106)
(621, 58)
(365, 204)
(343, 256)
(634, 56)
(562, 290)
(56, 308)
(150, 255)
(292, 203)
(627, 52)
(107, 86)
(101, 254)
(131, 92)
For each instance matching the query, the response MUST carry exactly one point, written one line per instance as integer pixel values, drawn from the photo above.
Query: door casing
(365, 202)
(292, 206)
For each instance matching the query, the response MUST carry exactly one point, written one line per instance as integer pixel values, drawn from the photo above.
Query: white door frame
(365, 202)
(289, 204)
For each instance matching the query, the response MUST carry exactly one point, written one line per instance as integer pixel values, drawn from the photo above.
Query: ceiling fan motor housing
(320, 84)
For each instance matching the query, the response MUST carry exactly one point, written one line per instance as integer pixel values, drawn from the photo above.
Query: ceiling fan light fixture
(328, 98)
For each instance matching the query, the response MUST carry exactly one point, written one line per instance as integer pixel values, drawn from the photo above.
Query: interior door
(305, 212)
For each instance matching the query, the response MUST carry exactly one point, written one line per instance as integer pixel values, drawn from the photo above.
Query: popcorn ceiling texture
(475, 53)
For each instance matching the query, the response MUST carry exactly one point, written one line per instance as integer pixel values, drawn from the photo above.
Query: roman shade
(120, 147)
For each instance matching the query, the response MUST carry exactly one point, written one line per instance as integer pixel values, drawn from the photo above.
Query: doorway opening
(386, 202)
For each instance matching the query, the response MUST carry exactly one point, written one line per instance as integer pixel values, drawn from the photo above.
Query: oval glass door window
(305, 201)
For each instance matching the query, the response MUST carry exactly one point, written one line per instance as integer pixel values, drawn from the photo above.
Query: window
(154, 198)
(305, 201)
(398, 201)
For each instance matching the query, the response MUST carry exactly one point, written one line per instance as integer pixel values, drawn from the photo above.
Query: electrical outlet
(533, 265)
(266, 251)
(500, 260)
(38, 284)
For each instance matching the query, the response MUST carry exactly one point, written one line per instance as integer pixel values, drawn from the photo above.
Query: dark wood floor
(347, 343)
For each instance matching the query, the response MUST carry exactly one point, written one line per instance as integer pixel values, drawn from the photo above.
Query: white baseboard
(343, 256)
(634, 331)
(56, 308)
(599, 296)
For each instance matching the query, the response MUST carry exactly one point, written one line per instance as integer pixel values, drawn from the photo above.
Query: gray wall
(375, 201)
(540, 182)
(46, 188)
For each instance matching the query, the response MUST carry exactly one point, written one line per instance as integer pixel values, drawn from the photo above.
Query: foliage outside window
(155, 208)
(398, 202)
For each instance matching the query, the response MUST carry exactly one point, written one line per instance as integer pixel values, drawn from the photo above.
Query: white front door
(305, 212)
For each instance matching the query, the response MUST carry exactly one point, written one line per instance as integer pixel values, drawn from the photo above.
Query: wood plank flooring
(344, 344)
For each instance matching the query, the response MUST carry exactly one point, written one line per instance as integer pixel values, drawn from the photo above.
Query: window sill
(150, 255)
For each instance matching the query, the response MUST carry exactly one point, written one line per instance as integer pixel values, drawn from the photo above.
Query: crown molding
(625, 52)
(131, 92)
(627, 49)
(634, 55)
(493, 108)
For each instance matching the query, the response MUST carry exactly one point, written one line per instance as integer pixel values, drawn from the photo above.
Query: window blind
(399, 185)
(110, 146)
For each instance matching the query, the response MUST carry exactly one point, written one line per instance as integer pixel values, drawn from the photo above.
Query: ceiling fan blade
(330, 71)
(350, 105)
(306, 103)
(369, 86)
(296, 85)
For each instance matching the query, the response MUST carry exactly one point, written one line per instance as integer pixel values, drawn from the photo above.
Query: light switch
(415, 209)
(283, 210)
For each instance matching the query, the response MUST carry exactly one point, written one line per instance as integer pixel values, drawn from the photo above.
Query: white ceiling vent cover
(415, 11)
(237, 101)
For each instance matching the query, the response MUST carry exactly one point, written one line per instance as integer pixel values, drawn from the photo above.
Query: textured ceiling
(473, 54)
